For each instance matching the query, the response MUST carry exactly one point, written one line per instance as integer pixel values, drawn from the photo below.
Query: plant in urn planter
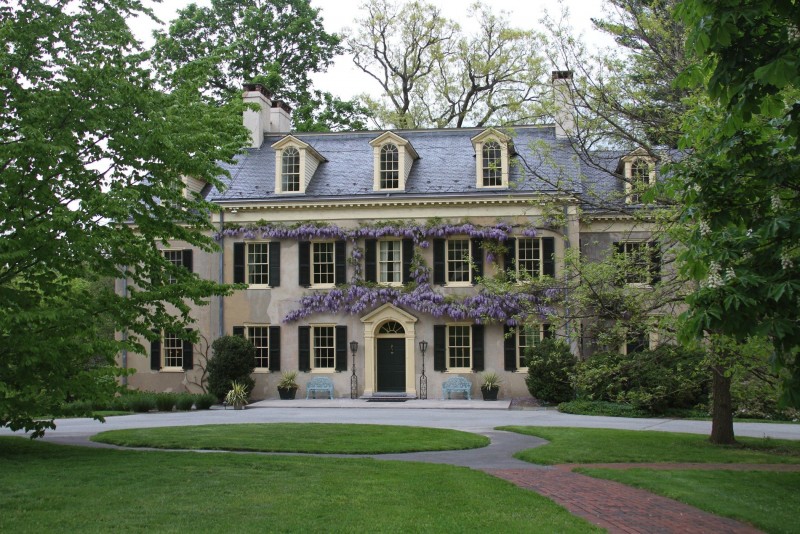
(490, 385)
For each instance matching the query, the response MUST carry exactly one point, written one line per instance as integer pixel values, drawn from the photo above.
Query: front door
(391, 364)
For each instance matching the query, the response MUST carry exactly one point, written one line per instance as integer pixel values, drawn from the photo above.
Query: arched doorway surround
(390, 327)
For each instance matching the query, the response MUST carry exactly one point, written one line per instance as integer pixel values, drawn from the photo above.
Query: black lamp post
(354, 379)
(423, 380)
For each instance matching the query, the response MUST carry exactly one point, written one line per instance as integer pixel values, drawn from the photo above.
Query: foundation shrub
(550, 365)
(184, 402)
(204, 401)
(654, 381)
(77, 409)
(141, 402)
(233, 360)
(165, 402)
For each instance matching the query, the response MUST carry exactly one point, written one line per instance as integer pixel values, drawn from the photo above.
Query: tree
(740, 184)
(92, 165)
(432, 74)
(278, 43)
(234, 361)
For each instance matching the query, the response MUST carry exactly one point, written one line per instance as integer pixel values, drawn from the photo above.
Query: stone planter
(490, 394)
(287, 394)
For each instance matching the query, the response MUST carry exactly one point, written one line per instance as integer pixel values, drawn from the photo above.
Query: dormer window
(295, 165)
(290, 170)
(491, 159)
(393, 158)
(390, 167)
(639, 170)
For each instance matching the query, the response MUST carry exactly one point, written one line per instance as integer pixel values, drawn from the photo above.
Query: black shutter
(304, 348)
(304, 263)
(238, 331)
(547, 331)
(477, 347)
(439, 347)
(548, 256)
(655, 262)
(275, 263)
(509, 259)
(274, 348)
(188, 262)
(370, 260)
(439, 264)
(510, 348)
(188, 353)
(408, 256)
(155, 353)
(622, 276)
(341, 347)
(477, 260)
(340, 262)
(238, 263)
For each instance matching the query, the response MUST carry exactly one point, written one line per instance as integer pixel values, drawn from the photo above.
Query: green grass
(298, 437)
(52, 488)
(767, 500)
(592, 445)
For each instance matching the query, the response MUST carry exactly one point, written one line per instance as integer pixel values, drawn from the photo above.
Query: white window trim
(458, 370)
(447, 281)
(308, 156)
(517, 262)
(399, 262)
(170, 369)
(646, 244)
(312, 347)
(651, 177)
(247, 326)
(406, 155)
(651, 342)
(311, 264)
(247, 264)
(520, 368)
(487, 136)
(164, 252)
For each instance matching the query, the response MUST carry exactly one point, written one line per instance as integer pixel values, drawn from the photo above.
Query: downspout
(124, 352)
(221, 278)
(567, 245)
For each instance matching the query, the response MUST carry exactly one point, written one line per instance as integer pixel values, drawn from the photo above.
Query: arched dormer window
(492, 164)
(295, 165)
(290, 170)
(492, 150)
(390, 167)
(639, 174)
(393, 158)
(640, 179)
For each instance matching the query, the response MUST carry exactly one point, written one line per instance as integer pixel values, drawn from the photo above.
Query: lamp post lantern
(354, 378)
(423, 380)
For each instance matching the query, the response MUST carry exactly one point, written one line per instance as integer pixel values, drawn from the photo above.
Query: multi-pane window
(459, 346)
(389, 262)
(323, 263)
(290, 170)
(529, 256)
(492, 164)
(529, 336)
(637, 261)
(175, 257)
(324, 347)
(259, 337)
(390, 167)
(173, 350)
(258, 263)
(458, 260)
(639, 181)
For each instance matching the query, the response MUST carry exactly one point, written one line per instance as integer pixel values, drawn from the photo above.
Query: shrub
(165, 402)
(550, 364)
(654, 381)
(141, 402)
(77, 409)
(205, 401)
(233, 360)
(611, 409)
(185, 402)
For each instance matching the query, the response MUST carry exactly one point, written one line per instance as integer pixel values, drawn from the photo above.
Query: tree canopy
(93, 158)
(278, 43)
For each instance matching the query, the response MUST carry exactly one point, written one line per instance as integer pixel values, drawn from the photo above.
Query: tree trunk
(722, 408)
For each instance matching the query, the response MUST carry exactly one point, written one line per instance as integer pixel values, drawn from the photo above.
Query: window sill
(459, 284)
(262, 371)
(323, 371)
(459, 370)
(172, 370)
(259, 286)
(639, 285)
(322, 286)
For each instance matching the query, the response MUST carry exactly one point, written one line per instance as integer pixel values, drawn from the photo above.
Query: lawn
(767, 500)
(593, 445)
(49, 488)
(298, 437)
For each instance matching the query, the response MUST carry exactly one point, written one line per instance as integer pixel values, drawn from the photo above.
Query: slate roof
(446, 166)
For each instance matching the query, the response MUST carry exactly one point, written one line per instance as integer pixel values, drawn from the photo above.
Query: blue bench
(319, 383)
(457, 384)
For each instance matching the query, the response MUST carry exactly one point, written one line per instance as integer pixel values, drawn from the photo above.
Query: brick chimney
(565, 107)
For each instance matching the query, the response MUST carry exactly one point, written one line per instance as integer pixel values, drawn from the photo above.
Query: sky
(344, 80)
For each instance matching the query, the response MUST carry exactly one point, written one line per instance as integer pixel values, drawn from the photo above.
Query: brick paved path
(619, 508)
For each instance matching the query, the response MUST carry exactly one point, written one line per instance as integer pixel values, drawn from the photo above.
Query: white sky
(344, 80)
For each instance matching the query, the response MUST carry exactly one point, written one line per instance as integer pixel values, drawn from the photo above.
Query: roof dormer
(491, 159)
(393, 157)
(295, 164)
(639, 171)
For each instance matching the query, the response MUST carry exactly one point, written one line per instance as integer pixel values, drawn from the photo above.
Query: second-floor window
(258, 263)
(458, 261)
(641, 262)
(322, 263)
(290, 170)
(530, 257)
(389, 262)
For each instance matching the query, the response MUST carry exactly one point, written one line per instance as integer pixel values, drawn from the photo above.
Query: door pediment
(388, 312)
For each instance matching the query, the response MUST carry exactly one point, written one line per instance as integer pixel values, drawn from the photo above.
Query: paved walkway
(610, 505)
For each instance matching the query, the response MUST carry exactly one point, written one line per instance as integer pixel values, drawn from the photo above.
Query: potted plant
(237, 396)
(287, 387)
(491, 385)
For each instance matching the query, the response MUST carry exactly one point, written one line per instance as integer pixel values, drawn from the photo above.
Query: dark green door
(392, 364)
